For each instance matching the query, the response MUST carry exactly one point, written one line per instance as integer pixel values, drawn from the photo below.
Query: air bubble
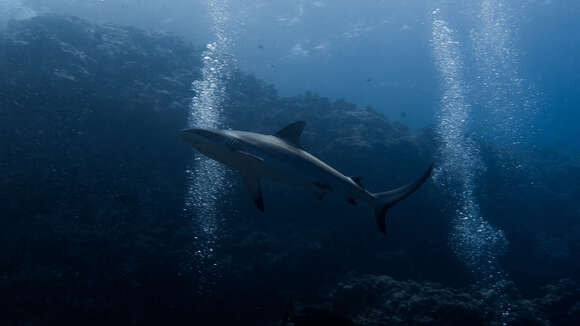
(206, 178)
(474, 240)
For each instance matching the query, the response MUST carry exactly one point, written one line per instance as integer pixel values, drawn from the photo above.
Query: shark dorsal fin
(291, 133)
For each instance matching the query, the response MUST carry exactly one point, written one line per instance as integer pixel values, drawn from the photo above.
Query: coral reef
(382, 300)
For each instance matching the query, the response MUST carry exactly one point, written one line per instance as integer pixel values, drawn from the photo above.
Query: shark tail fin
(387, 199)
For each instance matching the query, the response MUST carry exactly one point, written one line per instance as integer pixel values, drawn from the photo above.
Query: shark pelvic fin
(255, 190)
(291, 133)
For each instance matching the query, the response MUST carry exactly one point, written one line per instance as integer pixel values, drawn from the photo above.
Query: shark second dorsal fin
(291, 133)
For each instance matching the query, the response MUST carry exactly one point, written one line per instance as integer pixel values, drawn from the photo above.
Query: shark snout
(189, 135)
(196, 136)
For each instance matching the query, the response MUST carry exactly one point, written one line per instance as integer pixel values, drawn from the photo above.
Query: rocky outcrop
(91, 172)
(381, 300)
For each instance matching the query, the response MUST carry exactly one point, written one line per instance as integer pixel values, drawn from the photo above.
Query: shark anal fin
(253, 185)
(291, 133)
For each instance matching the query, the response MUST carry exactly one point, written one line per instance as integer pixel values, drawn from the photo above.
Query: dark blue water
(110, 218)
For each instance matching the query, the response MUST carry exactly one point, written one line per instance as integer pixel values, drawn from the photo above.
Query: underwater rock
(561, 302)
(88, 199)
(382, 300)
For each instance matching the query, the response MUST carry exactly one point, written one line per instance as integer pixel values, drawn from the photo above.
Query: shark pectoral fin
(247, 165)
(253, 186)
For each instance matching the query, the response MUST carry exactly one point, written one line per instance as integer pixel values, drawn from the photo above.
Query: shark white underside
(281, 158)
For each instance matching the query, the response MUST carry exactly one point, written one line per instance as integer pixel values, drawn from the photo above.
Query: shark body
(280, 157)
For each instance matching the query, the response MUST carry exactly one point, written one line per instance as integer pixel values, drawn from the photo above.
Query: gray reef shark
(281, 158)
